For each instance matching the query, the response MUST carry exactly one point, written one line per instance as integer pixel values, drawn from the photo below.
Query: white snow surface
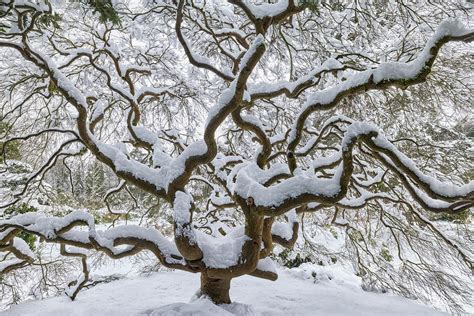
(296, 292)
(222, 252)
(182, 208)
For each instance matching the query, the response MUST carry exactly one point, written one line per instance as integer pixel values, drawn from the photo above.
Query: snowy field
(170, 293)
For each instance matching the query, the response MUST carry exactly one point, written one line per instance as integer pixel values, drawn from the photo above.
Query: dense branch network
(280, 178)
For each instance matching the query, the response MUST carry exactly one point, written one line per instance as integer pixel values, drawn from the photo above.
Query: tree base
(216, 289)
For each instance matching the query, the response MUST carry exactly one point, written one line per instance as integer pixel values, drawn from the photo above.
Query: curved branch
(385, 75)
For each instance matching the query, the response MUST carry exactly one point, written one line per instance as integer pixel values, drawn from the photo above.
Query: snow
(145, 135)
(324, 161)
(252, 119)
(182, 208)
(222, 199)
(302, 291)
(247, 185)
(7, 263)
(226, 30)
(443, 189)
(267, 265)
(391, 70)
(160, 178)
(99, 109)
(298, 293)
(64, 82)
(259, 175)
(201, 306)
(178, 165)
(222, 252)
(228, 94)
(371, 180)
(257, 42)
(50, 226)
(283, 230)
(267, 9)
(266, 88)
(248, 179)
(384, 72)
(166, 246)
(6, 232)
(70, 290)
(355, 130)
(20, 245)
(362, 199)
(37, 5)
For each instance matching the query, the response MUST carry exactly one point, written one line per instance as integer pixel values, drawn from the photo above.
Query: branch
(194, 59)
(385, 75)
(61, 230)
(303, 188)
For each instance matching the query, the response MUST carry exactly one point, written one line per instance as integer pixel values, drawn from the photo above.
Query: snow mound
(202, 307)
(296, 292)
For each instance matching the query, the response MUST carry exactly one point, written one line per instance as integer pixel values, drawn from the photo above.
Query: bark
(216, 289)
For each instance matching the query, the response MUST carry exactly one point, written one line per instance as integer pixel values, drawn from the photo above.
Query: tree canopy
(243, 117)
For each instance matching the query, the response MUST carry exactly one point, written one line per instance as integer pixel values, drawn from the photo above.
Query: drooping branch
(302, 189)
(195, 59)
(385, 75)
(18, 247)
(61, 231)
(75, 286)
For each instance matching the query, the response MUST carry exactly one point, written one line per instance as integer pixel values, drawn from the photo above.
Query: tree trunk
(216, 289)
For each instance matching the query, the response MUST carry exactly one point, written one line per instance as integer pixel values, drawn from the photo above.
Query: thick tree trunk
(216, 289)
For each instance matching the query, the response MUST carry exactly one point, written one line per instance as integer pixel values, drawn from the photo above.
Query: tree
(238, 107)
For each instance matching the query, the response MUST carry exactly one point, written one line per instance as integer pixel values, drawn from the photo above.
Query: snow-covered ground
(302, 291)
